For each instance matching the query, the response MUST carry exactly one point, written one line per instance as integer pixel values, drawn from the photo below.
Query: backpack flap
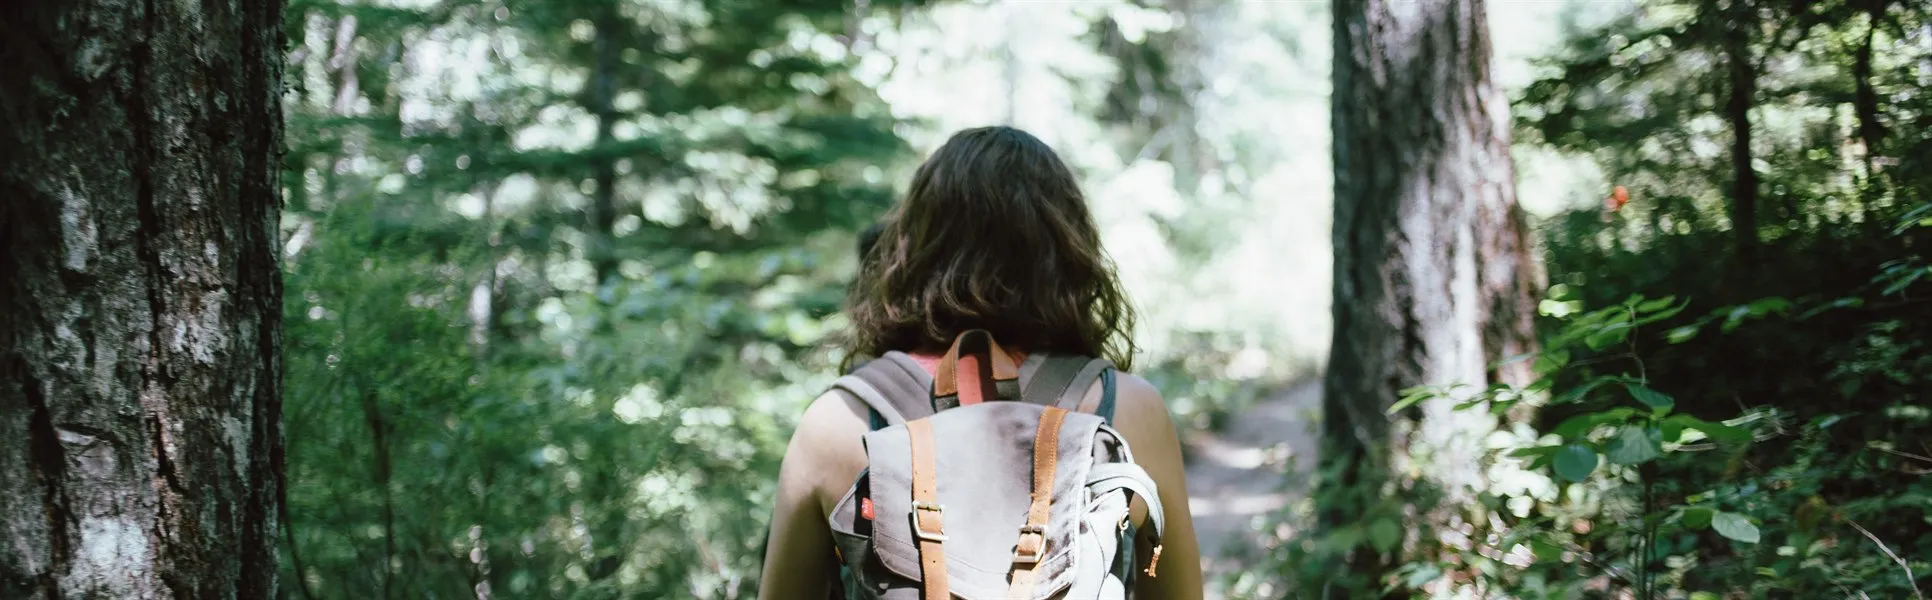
(983, 466)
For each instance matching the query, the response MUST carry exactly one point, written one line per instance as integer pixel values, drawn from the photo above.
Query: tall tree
(140, 373)
(1741, 95)
(1432, 268)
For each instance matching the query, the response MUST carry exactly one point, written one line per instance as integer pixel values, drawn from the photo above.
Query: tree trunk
(140, 347)
(1433, 271)
(1871, 131)
(603, 94)
(1743, 88)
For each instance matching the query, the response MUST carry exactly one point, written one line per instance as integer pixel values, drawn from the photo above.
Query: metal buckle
(1020, 555)
(937, 534)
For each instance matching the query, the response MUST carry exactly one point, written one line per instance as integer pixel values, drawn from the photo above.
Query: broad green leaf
(1420, 393)
(1704, 596)
(1558, 309)
(1729, 434)
(1542, 385)
(1658, 402)
(1849, 302)
(1550, 362)
(1672, 429)
(1408, 401)
(1756, 309)
(1578, 392)
(1636, 445)
(1345, 538)
(1774, 304)
(1655, 304)
(1580, 426)
(1735, 318)
(1423, 575)
(1545, 551)
(1614, 333)
(1917, 217)
(1735, 526)
(1385, 534)
(1698, 517)
(1661, 313)
(1575, 462)
(1904, 278)
(1682, 334)
(1510, 360)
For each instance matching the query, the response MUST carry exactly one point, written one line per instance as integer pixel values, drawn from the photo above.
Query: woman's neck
(930, 358)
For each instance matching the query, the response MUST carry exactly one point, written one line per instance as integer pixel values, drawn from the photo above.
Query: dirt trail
(1234, 477)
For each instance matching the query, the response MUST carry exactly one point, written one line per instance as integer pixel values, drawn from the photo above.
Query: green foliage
(1705, 422)
(491, 391)
(1629, 494)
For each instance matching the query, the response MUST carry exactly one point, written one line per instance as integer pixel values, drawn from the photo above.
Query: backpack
(1014, 497)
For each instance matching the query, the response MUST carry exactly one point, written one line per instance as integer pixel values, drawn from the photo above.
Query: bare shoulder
(832, 414)
(1131, 390)
(826, 451)
(1141, 413)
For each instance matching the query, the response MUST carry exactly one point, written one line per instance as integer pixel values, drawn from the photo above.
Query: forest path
(1235, 477)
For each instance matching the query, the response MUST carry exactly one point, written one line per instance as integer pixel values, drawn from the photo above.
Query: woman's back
(826, 455)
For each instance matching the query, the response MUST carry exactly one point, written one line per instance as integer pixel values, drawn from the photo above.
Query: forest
(351, 299)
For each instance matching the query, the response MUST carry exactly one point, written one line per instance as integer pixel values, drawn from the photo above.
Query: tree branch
(1910, 579)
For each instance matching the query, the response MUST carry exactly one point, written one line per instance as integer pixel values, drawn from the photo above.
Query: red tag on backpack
(865, 508)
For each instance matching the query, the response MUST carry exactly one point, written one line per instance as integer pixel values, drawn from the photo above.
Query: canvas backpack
(1013, 496)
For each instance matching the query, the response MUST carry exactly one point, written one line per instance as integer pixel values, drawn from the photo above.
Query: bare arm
(1142, 418)
(799, 562)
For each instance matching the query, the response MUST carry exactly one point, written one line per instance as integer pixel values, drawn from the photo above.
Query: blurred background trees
(555, 274)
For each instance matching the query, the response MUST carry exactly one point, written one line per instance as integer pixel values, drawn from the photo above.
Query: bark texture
(1434, 276)
(140, 374)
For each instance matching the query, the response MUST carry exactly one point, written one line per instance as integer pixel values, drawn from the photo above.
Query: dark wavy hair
(993, 234)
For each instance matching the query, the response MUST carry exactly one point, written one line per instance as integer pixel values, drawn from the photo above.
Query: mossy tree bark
(1434, 277)
(140, 373)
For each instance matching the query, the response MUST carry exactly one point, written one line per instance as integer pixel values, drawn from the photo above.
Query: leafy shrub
(1621, 492)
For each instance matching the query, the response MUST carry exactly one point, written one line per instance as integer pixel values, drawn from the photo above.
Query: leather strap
(948, 377)
(928, 522)
(1032, 544)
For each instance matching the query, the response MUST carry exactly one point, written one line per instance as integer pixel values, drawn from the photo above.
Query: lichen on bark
(140, 376)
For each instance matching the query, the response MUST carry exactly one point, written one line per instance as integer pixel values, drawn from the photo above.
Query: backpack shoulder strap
(894, 386)
(1062, 380)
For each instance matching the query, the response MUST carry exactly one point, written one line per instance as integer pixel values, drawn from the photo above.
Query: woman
(993, 234)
